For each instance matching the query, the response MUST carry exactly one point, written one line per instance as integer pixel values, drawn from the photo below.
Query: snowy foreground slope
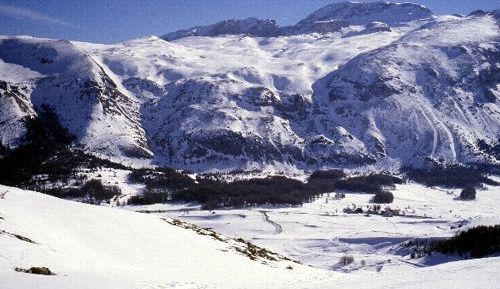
(95, 247)
(352, 84)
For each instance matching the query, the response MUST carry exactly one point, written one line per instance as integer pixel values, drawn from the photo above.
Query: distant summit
(331, 18)
(358, 13)
(250, 26)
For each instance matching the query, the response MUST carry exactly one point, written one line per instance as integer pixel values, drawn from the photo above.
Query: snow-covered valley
(321, 233)
(97, 247)
(357, 148)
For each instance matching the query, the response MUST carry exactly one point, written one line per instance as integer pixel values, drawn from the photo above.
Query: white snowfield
(320, 233)
(96, 247)
(353, 84)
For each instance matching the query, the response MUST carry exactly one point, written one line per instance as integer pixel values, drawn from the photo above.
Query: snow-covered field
(320, 233)
(98, 247)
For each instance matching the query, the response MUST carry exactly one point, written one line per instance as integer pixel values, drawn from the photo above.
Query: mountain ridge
(400, 95)
(328, 19)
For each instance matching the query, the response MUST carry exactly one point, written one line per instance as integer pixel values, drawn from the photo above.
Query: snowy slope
(57, 73)
(442, 80)
(363, 13)
(247, 103)
(392, 85)
(95, 247)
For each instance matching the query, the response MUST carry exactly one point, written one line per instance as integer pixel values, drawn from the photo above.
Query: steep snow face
(442, 80)
(363, 13)
(15, 105)
(38, 72)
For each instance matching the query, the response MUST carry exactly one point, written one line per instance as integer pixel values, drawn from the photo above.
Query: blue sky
(109, 21)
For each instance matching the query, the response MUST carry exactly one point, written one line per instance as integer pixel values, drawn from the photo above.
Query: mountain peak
(250, 26)
(330, 18)
(362, 13)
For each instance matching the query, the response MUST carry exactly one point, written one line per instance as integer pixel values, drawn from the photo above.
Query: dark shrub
(148, 198)
(4, 150)
(450, 177)
(346, 260)
(321, 185)
(368, 184)
(384, 180)
(35, 270)
(138, 176)
(46, 150)
(468, 193)
(161, 179)
(324, 181)
(476, 242)
(44, 136)
(383, 197)
(357, 185)
(328, 175)
(64, 193)
(242, 193)
(96, 192)
(45, 130)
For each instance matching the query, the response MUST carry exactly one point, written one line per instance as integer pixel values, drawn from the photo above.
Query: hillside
(96, 247)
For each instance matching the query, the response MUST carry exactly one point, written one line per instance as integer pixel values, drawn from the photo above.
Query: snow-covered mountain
(363, 13)
(250, 26)
(89, 103)
(353, 84)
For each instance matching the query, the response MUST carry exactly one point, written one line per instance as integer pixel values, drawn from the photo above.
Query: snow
(249, 26)
(118, 178)
(68, 79)
(320, 233)
(95, 247)
(405, 93)
(342, 17)
(362, 13)
(285, 65)
(16, 73)
(351, 84)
